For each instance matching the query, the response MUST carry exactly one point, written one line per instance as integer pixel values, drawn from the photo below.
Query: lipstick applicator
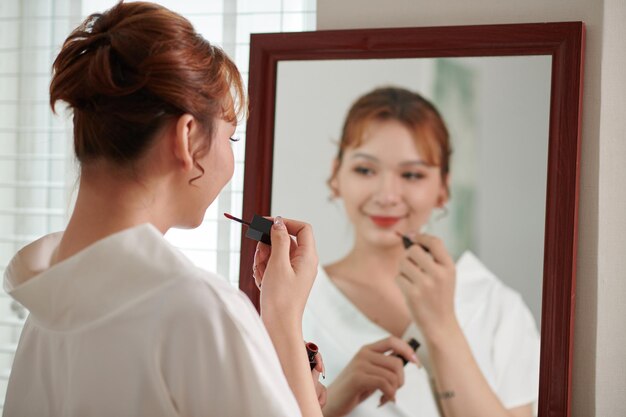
(259, 228)
(407, 242)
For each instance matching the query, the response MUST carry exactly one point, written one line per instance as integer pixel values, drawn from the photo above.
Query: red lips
(384, 221)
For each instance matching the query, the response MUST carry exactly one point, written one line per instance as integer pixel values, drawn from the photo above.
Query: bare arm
(427, 279)
(286, 274)
(460, 386)
(289, 345)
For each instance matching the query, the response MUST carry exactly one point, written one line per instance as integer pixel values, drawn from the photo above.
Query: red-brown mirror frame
(564, 41)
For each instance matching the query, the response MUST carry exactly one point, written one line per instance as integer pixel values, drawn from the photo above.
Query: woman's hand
(286, 270)
(320, 389)
(369, 370)
(427, 279)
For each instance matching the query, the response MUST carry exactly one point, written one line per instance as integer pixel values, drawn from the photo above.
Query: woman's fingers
(322, 395)
(422, 259)
(408, 288)
(320, 389)
(414, 274)
(261, 255)
(302, 246)
(289, 273)
(385, 370)
(319, 364)
(302, 231)
(373, 368)
(305, 252)
(318, 370)
(386, 364)
(427, 280)
(281, 242)
(396, 345)
(378, 381)
(392, 364)
(437, 249)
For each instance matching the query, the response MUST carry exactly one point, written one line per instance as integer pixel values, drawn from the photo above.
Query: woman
(121, 323)
(480, 346)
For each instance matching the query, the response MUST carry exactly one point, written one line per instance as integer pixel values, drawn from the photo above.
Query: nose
(388, 191)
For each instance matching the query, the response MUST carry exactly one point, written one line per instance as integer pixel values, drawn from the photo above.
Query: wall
(599, 370)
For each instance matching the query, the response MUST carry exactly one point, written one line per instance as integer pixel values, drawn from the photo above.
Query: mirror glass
(497, 112)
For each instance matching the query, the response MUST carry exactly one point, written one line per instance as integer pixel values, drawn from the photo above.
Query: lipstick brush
(259, 228)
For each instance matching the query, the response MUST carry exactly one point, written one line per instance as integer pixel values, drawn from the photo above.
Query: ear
(184, 128)
(333, 183)
(444, 194)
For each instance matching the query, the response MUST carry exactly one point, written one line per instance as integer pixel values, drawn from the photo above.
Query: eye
(234, 139)
(413, 175)
(365, 171)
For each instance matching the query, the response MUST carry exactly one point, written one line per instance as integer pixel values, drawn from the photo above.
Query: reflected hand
(369, 370)
(427, 281)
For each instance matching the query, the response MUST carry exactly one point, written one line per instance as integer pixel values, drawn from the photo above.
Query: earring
(438, 214)
(442, 212)
(334, 194)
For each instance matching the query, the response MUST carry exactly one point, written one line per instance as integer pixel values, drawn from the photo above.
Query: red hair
(128, 71)
(416, 113)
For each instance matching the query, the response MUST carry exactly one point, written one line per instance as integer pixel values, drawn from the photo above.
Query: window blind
(37, 167)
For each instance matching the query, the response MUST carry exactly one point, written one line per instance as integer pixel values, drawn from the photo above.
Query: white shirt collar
(98, 280)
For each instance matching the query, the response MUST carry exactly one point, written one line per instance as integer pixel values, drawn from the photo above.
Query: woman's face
(218, 164)
(386, 185)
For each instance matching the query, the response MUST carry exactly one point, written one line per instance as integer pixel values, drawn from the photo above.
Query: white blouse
(129, 327)
(499, 327)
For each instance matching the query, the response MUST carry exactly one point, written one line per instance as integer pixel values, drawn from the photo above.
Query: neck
(366, 260)
(106, 204)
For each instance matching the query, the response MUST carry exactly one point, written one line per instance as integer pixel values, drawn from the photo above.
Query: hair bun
(129, 70)
(92, 65)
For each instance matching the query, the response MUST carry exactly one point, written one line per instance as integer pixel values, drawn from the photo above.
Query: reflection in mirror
(497, 113)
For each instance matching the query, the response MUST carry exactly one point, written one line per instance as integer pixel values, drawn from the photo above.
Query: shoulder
(189, 289)
(216, 355)
(207, 296)
(183, 291)
(475, 280)
(480, 293)
(202, 314)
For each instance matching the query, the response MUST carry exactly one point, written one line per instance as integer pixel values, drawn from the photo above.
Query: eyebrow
(404, 163)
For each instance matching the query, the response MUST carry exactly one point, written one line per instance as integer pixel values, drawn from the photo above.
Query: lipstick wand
(230, 216)
(259, 228)
(407, 242)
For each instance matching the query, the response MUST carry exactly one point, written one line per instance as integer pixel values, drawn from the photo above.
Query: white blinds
(35, 176)
(37, 170)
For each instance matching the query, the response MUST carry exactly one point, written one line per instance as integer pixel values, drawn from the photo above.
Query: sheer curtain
(37, 169)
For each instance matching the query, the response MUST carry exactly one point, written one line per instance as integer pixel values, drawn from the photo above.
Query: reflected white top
(130, 327)
(498, 325)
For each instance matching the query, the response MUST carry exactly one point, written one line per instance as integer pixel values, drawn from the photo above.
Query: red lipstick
(384, 221)
(311, 351)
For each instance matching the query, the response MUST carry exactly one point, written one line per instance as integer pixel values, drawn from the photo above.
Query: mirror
(503, 92)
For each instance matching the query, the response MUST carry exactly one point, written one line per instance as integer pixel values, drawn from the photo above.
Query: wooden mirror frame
(563, 41)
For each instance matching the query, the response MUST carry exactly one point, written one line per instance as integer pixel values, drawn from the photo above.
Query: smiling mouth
(385, 221)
